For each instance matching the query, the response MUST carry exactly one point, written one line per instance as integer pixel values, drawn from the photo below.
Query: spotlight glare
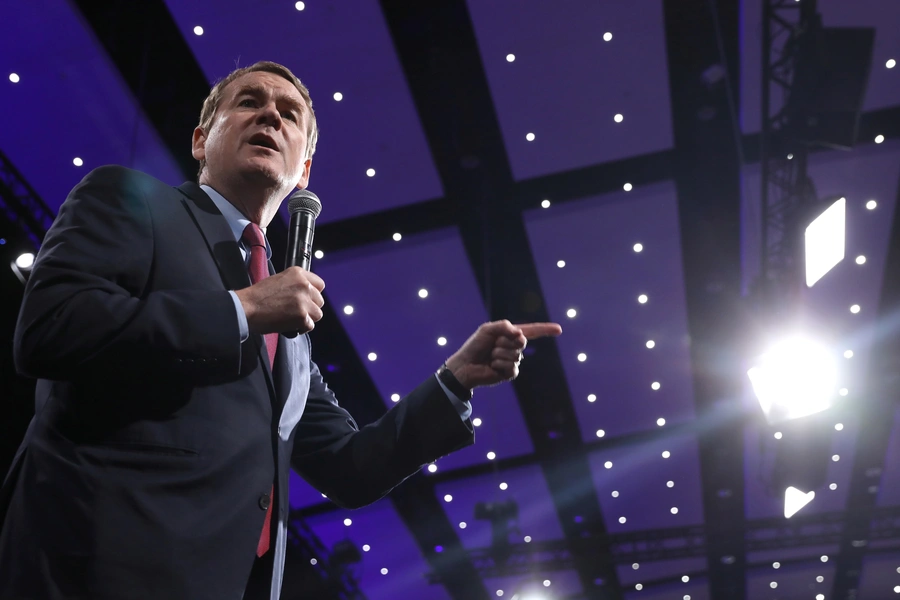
(370, 172)
(795, 378)
(638, 247)
(627, 187)
(871, 204)
(608, 464)
(879, 138)
(660, 422)
(860, 260)
(397, 237)
(14, 77)
(338, 96)
(319, 254)
(25, 260)
(571, 313)
(651, 344)
(891, 63)
(545, 204)
(198, 30)
(642, 299)
(300, 6)
(592, 398)
(348, 310)
(396, 398)
(476, 422)
(510, 57)
(600, 434)
(618, 118)
(582, 357)
(423, 293)
(607, 37)
(77, 161)
(491, 456)
(855, 309)
(529, 136)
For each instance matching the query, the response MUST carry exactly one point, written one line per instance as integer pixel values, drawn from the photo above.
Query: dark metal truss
(21, 204)
(538, 558)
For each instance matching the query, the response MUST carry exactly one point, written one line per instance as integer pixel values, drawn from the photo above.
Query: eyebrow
(258, 91)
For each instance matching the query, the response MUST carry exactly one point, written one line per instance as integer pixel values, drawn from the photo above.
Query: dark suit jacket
(156, 437)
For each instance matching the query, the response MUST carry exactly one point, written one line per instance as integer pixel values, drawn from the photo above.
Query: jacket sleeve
(88, 310)
(355, 467)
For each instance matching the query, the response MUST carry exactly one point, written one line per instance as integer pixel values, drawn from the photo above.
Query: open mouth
(263, 141)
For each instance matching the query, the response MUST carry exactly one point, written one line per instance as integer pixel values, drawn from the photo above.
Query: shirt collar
(236, 219)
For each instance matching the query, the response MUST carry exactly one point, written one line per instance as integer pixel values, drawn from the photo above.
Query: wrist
(454, 382)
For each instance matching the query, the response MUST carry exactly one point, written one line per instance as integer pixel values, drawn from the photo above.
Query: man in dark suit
(169, 410)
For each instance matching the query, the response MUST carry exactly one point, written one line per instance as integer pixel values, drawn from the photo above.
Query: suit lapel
(224, 248)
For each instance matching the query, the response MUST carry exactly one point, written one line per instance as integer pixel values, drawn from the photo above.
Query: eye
(247, 102)
(289, 116)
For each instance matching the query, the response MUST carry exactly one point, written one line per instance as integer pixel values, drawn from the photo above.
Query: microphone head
(304, 200)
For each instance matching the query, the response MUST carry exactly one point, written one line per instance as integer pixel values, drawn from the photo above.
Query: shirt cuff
(463, 408)
(242, 317)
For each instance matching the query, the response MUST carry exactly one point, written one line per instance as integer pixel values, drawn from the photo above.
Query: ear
(198, 144)
(304, 177)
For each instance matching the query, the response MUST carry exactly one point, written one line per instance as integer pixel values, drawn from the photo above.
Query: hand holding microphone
(289, 302)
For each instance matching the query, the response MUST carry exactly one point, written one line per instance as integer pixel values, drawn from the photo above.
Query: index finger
(539, 330)
(316, 281)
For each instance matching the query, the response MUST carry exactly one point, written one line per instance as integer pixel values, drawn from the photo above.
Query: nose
(268, 115)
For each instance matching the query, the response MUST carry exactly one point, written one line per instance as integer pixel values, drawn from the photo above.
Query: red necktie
(259, 270)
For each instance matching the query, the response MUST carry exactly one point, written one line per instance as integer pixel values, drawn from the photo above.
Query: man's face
(258, 134)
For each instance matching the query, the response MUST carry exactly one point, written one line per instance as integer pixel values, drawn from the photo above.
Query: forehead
(270, 83)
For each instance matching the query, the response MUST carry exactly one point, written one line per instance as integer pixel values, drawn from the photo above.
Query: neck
(259, 204)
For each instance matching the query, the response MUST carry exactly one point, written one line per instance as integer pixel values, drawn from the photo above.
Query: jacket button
(264, 502)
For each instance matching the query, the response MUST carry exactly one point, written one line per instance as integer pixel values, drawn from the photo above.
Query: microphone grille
(304, 200)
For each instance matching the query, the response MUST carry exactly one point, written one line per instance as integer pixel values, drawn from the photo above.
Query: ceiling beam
(702, 39)
(436, 44)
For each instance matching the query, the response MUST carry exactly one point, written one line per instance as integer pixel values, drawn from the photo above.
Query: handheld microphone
(304, 207)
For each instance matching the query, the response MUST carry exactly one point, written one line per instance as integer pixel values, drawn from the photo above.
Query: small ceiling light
(660, 421)
(600, 433)
(571, 313)
(843, 391)
(790, 157)
(848, 353)
(423, 293)
(777, 435)
(503, 486)
(491, 455)
(592, 397)
(879, 138)
(529, 136)
(300, 6)
(499, 592)
(607, 37)
(448, 498)
(642, 298)
(773, 585)
(370, 172)
(384, 571)
(854, 309)
(510, 57)
(627, 187)
(348, 310)
(824, 558)
(820, 579)
(651, 344)
(319, 254)
(838, 426)
(638, 247)
(891, 63)
(338, 96)
(666, 454)
(546, 583)
(77, 161)
(560, 263)
(348, 522)
(618, 118)
(545, 204)
(432, 468)
(685, 578)
(654, 386)
(442, 341)
(860, 260)
(14, 77)
(670, 484)
(615, 494)
(622, 520)
(635, 566)
(836, 457)
(527, 539)
(776, 565)
(372, 356)
(396, 398)
(25, 260)
(476, 422)
(832, 486)
(638, 586)
(397, 237)
(608, 464)
(198, 30)
(674, 510)
(313, 562)
(582, 357)
(871, 204)
(462, 524)
(820, 596)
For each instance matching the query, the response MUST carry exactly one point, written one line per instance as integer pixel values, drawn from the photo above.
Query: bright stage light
(825, 242)
(794, 500)
(796, 378)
